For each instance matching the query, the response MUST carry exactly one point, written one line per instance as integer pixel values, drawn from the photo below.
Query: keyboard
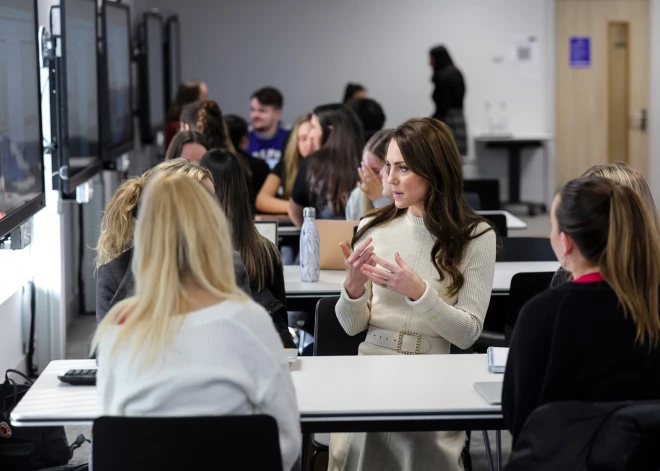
(79, 377)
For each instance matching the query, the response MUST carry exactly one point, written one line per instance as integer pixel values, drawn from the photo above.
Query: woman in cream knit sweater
(419, 279)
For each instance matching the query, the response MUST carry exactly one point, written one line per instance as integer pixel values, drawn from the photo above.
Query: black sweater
(573, 343)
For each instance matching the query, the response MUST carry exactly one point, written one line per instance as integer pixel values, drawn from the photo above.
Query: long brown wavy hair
(118, 222)
(615, 230)
(429, 150)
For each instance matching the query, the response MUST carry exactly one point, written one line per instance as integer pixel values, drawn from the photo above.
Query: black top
(259, 170)
(275, 291)
(115, 282)
(449, 91)
(572, 343)
(280, 172)
(302, 194)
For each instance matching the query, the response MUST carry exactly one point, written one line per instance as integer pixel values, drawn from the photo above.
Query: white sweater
(226, 359)
(457, 319)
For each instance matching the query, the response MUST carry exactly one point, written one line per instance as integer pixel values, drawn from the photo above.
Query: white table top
(495, 137)
(331, 280)
(513, 223)
(334, 387)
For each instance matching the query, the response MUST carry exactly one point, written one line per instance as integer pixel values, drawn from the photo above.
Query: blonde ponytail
(631, 262)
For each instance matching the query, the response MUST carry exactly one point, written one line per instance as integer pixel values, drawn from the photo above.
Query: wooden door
(603, 93)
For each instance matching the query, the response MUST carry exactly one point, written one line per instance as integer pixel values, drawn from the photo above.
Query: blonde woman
(625, 175)
(369, 194)
(114, 251)
(199, 344)
(274, 195)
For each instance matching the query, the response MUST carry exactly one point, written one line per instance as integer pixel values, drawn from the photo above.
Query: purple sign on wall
(580, 52)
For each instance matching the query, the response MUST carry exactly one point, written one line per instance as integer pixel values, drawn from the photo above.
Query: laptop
(331, 233)
(491, 391)
(268, 229)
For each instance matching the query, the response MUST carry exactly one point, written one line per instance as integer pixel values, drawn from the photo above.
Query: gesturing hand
(399, 278)
(371, 183)
(354, 263)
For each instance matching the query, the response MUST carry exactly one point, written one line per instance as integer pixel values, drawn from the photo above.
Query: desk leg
(303, 451)
(514, 174)
(489, 455)
(498, 444)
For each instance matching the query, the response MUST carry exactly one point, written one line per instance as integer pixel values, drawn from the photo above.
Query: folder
(497, 359)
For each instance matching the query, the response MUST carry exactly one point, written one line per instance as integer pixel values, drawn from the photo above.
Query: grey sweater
(114, 282)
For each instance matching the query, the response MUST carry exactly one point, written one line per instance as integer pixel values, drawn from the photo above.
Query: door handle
(642, 120)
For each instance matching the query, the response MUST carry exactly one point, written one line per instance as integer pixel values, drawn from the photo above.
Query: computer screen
(21, 154)
(118, 50)
(173, 56)
(155, 71)
(79, 31)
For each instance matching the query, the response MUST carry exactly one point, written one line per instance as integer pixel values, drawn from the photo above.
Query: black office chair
(473, 200)
(526, 249)
(176, 443)
(499, 221)
(524, 286)
(488, 191)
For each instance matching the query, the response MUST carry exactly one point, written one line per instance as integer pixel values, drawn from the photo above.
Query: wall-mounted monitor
(115, 81)
(21, 144)
(172, 58)
(152, 77)
(77, 88)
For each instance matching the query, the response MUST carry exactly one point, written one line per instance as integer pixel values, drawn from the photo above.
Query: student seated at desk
(369, 194)
(261, 257)
(190, 342)
(419, 279)
(114, 251)
(594, 339)
(623, 174)
(189, 145)
(273, 198)
(327, 177)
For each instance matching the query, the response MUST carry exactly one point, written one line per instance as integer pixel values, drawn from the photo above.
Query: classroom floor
(81, 330)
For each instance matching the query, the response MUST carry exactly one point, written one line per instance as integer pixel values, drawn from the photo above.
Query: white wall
(311, 49)
(654, 105)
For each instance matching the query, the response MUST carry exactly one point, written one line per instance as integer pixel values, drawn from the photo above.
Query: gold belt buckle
(400, 342)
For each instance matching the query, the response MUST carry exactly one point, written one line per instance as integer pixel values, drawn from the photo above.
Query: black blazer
(114, 281)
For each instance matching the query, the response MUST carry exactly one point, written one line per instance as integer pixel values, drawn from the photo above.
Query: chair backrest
(268, 229)
(526, 249)
(524, 286)
(488, 191)
(330, 338)
(473, 200)
(331, 233)
(499, 221)
(176, 443)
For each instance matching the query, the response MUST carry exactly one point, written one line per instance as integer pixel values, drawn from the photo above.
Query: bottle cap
(309, 212)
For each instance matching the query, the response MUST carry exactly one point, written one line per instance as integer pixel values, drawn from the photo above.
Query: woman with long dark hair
(188, 92)
(262, 258)
(421, 271)
(596, 338)
(189, 145)
(448, 95)
(326, 178)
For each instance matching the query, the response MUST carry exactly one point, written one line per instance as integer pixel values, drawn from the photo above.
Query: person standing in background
(188, 92)
(267, 136)
(448, 95)
(354, 91)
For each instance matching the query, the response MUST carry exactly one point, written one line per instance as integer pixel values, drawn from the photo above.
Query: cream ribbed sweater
(458, 319)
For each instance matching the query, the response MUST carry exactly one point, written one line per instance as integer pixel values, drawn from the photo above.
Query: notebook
(491, 391)
(497, 359)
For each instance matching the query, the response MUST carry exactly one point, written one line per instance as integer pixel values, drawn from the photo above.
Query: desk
(513, 223)
(335, 394)
(514, 144)
(331, 280)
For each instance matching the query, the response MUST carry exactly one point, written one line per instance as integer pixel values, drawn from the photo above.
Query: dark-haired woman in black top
(326, 178)
(594, 339)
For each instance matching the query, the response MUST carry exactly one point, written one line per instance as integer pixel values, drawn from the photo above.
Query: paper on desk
(497, 357)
